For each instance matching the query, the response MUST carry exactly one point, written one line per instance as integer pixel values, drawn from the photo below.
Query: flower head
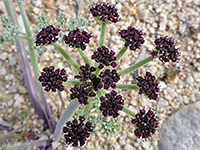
(47, 35)
(77, 132)
(133, 37)
(166, 49)
(52, 79)
(148, 85)
(111, 104)
(82, 92)
(109, 78)
(77, 39)
(145, 123)
(105, 57)
(86, 73)
(105, 12)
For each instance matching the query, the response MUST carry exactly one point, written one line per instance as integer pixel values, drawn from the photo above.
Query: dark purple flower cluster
(148, 85)
(52, 79)
(77, 132)
(105, 57)
(166, 49)
(77, 39)
(105, 12)
(86, 73)
(111, 104)
(82, 92)
(146, 124)
(109, 78)
(47, 35)
(133, 37)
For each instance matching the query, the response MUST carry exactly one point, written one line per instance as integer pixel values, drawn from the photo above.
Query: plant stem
(26, 145)
(128, 111)
(103, 34)
(72, 82)
(64, 30)
(102, 39)
(128, 86)
(135, 66)
(85, 58)
(121, 53)
(87, 108)
(66, 56)
(22, 53)
(48, 113)
(21, 36)
(66, 116)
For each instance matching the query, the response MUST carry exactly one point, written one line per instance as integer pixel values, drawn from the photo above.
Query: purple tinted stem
(22, 53)
(26, 145)
(47, 110)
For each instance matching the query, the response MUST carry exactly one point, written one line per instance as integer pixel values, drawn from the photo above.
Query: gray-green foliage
(80, 23)
(41, 23)
(11, 30)
(61, 20)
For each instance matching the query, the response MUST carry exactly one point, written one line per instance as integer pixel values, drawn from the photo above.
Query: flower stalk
(128, 111)
(135, 66)
(84, 56)
(128, 86)
(121, 53)
(66, 56)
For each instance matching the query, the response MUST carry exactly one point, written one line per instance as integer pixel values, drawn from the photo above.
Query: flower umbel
(82, 92)
(166, 49)
(109, 78)
(148, 85)
(111, 104)
(77, 132)
(86, 73)
(105, 12)
(77, 39)
(52, 79)
(145, 123)
(47, 35)
(105, 57)
(133, 37)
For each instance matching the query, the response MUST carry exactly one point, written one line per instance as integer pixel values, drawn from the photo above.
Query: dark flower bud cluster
(105, 12)
(111, 104)
(86, 73)
(47, 35)
(146, 124)
(105, 57)
(77, 39)
(77, 132)
(52, 79)
(166, 49)
(82, 92)
(148, 85)
(109, 78)
(133, 37)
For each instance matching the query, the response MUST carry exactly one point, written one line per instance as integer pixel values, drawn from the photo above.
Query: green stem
(102, 39)
(64, 30)
(87, 108)
(121, 53)
(103, 33)
(66, 56)
(21, 36)
(135, 66)
(85, 58)
(128, 86)
(128, 111)
(73, 82)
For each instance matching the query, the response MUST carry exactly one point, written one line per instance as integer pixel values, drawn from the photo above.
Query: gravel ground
(177, 18)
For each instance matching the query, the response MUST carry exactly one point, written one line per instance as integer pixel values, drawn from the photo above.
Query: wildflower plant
(95, 85)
